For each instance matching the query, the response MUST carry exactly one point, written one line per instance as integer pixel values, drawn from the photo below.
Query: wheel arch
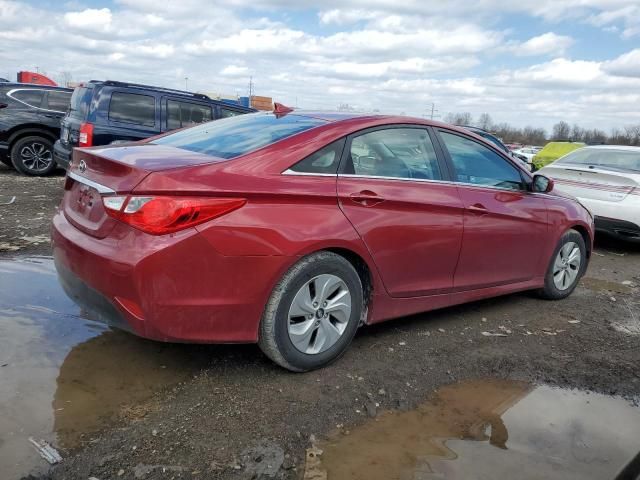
(581, 229)
(362, 264)
(28, 130)
(364, 272)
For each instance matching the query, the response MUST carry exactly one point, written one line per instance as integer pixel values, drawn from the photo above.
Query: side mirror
(542, 184)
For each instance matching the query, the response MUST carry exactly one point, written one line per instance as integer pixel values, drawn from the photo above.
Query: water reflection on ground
(490, 429)
(61, 374)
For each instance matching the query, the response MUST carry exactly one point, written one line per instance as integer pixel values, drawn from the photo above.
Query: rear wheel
(313, 313)
(567, 265)
(6, 161)
(33, 156)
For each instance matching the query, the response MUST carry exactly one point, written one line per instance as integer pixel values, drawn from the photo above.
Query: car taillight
(159, 215)
(85, 139)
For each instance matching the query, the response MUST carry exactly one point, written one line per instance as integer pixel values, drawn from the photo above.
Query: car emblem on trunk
(82, 166)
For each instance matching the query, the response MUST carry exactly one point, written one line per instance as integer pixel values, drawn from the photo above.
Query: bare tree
(577, 133)
(67, 78)
(561, 131)
(484, 121)
(457, 118)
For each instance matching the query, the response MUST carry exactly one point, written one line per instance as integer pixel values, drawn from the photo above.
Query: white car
(606, 180)
(527, 152)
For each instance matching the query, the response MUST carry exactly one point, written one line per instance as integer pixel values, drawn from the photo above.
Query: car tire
(7, 161)
(33, 155)
(566, 267)
(296, 309)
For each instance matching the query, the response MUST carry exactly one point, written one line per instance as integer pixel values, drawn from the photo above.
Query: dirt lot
(239, 407)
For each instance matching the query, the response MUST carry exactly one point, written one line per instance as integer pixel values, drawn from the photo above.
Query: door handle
(477, 209)
(366, 198)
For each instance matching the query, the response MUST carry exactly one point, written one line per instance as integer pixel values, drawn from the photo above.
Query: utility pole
(434, 112)
(186, 83)
(250, 87)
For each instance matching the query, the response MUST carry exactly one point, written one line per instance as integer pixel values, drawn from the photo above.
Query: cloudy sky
(527, 62)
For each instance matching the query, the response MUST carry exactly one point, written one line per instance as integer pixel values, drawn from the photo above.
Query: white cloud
(626, 65)
(234, 71)
(547, 43)
(89, 19)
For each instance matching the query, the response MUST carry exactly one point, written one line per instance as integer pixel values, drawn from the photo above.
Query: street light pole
(186, 83)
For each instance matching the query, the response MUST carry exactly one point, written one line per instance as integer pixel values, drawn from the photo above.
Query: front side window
(33, 98)
(235, 136)
(132, 108)
(324, 161)
(58, 101)
(395, 152)
(186, 114)
(476, 164)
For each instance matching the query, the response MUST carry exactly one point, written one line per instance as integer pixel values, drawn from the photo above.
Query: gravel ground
(241, 408)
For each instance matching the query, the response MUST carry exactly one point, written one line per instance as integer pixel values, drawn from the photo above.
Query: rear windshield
(603, 158)
(235, 136)
(80, 102)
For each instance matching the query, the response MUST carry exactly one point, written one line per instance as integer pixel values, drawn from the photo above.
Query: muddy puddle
(63, 376)
(487, 430)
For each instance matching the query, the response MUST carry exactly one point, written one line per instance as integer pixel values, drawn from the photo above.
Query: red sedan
(293, 229)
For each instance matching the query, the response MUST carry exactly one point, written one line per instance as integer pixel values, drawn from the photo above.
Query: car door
(505, 225)
(54, 107)
(391, 188)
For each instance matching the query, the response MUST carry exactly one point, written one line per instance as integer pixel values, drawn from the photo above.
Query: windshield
(603, 158)
(235, 136)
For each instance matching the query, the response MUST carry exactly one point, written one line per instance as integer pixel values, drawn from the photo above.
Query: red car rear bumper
(171, 288)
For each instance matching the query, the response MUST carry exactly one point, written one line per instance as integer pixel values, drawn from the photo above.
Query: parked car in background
(552, 151)
(526, 152)
(293, 229)
(497, 142)
(104, 112)
(30, 118)
(606, 179)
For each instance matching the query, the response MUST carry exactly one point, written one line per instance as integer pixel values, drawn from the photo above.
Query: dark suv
(30, 118)
(108, 112)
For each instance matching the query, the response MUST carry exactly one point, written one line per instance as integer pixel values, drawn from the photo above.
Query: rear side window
(186, 114)
(226, 112)
(58, 101)
(80, 100)
(476, 164)
(235, 136)
(133, 108)
(325, 160)
(33, 98)
(603, 158)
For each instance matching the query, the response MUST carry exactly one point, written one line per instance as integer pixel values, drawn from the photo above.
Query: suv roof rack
(116, 83)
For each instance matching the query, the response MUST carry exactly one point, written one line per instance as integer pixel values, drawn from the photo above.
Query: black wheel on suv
(33, 155)
(6, 160)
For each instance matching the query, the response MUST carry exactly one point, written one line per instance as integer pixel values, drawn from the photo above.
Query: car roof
(171, 91)
(332, 117)
(626, 148)
(34, 85)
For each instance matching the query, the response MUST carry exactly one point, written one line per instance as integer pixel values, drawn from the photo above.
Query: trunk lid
(99, 171)
(592, 183)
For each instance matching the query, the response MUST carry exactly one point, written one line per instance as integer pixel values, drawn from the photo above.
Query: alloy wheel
(36, 156)
(319, 314)
(567, 266)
